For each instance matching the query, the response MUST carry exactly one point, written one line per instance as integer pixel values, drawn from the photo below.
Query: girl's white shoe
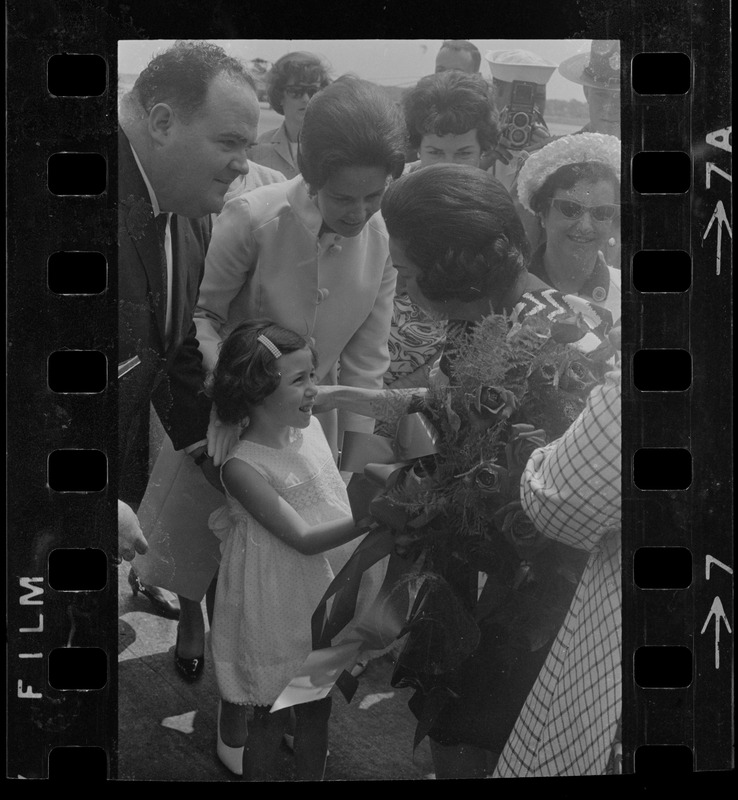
(232, 757)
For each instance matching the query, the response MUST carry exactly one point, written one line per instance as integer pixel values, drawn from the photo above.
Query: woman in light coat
(312, 254)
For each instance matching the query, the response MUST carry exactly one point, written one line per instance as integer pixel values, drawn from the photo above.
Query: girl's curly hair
(247, 371)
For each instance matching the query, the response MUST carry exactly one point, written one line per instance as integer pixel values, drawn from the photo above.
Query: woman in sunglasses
(291, 82)
(572, 185)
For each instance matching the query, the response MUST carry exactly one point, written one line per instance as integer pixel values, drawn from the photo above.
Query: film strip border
(61, 390)
(677, 559)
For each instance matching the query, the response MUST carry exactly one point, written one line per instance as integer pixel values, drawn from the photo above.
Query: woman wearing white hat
(572, 185)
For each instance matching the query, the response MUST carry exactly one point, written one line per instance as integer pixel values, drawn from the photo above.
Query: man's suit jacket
(170, 376)
(273, 150)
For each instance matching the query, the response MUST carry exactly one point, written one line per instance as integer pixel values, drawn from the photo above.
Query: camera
(517, 119)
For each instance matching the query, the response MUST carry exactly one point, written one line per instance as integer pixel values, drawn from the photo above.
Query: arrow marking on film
(722, 219)
(717, 611)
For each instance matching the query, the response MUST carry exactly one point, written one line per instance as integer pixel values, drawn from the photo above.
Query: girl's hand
(221, 438)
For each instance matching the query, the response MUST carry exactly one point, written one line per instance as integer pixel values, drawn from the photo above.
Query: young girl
(313, 256)
(286, 506)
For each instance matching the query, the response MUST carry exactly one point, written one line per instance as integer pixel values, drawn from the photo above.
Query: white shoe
(232, 757)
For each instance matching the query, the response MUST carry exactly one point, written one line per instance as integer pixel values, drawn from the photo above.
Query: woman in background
(449, 121)
(291, 82)
(572, 185)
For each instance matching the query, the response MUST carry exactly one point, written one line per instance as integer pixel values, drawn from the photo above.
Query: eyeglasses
(573, 210)
(296, 91)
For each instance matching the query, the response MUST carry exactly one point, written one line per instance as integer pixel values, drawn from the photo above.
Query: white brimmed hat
(519, 65)
(576, 148)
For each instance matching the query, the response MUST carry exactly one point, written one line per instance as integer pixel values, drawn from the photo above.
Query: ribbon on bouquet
(415, 438)
(327, 665)
(383, 460)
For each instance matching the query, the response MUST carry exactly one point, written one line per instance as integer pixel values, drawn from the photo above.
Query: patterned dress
(551, 305)
(414, 340)
(602, 288)
(267, 591)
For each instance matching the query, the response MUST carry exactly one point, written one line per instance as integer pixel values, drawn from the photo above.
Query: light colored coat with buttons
(266, 260)
(272, 149)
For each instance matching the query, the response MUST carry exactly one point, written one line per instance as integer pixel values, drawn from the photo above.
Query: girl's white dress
(267, 591)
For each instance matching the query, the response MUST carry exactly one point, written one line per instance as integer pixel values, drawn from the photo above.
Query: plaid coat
(571, 491)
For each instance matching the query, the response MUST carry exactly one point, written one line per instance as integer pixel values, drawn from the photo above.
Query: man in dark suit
(186, 127)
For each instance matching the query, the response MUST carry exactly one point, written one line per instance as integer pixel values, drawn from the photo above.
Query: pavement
(167, 727)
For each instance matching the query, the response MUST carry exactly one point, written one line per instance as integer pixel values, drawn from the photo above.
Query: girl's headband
(269, 344)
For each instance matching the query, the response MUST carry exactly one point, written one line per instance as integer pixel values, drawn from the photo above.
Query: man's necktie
(161, 230)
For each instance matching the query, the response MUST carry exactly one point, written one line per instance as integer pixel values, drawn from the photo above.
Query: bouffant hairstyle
(351, 123)
(247, 371)
(458, 225)
(568, 176)
(450, 102)
(300, 66)
(181, 76)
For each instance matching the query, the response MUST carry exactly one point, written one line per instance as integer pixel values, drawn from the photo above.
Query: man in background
(598, 72)
(185, 130)
(458, 54)
(519, 79)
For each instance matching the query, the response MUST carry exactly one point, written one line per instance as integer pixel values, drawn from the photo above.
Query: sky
(393, 62)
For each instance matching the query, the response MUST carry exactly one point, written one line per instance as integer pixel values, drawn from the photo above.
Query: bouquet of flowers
(513, 386)
(474, 558)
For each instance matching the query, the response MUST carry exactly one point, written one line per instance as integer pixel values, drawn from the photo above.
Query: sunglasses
(298, 90)
(573, 210)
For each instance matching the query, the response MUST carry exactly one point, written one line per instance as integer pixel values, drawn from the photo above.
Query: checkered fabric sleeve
(571, 490)
(571, 487)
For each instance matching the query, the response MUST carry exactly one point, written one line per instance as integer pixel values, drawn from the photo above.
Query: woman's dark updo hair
(568, 176)
(300, 66)
(351, 123)
(450, 102)
(459, 227)
(247, 371)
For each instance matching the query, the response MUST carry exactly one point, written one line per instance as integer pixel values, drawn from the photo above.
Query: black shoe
(189, 668)
(167, 608)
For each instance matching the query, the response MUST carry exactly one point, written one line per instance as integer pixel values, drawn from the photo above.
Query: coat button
(321, 296)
